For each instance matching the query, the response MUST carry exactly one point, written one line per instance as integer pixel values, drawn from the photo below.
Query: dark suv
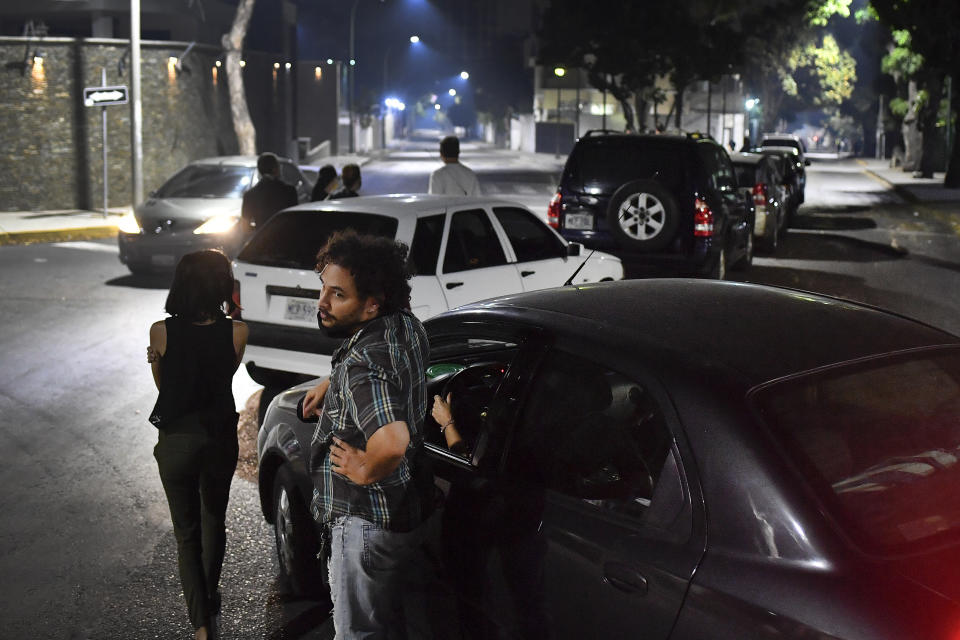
(664, 204)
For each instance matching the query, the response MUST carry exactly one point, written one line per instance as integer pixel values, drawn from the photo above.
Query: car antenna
(582, 264)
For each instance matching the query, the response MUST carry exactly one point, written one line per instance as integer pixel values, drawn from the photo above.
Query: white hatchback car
(462, 249)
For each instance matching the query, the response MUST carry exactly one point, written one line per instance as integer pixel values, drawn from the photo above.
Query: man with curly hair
(370, 432)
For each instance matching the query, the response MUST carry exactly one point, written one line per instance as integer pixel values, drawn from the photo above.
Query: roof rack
(602, 132)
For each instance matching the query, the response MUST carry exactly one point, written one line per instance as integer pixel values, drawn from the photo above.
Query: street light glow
(352, 62)
(329, 60)
(437, 106)
(559, 72)
(464, 75)
(287, 66)
(452, 92)
(414, 39)
(751, 103)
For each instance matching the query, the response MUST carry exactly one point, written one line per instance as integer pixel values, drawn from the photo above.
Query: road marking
(88, 246)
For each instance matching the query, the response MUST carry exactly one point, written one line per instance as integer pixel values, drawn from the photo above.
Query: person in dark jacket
(327, 183)
(350, 177)
(268, 196)
(193, 355)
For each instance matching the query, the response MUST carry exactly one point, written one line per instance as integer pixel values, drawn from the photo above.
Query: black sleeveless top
(196, 375)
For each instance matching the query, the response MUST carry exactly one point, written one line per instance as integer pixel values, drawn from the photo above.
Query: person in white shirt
(453, 178)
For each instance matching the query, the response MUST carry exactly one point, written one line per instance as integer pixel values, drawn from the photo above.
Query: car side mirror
(806, 162)
(574, 249)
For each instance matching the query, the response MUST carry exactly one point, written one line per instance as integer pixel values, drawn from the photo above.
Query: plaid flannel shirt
(378, 377)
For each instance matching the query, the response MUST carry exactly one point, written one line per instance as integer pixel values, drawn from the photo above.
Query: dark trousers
(196, 471)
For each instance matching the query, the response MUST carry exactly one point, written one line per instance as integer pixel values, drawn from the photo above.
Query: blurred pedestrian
(366, 447)
(193, 355)
(351, 181)
(269, 195)
(327, 183)
(453, 178)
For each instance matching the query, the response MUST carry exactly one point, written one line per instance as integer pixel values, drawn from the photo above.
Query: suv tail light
(759, 193)
(553, 211)
(702, 219)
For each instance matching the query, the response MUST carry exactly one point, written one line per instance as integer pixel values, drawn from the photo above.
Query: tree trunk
(928, 123)
(642, 107)
(233, 46)
(627, 112)
(952, 179)
(910, 131)
(678, 103)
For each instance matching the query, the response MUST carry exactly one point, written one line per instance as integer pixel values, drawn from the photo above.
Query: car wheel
(295, 537)
(747, 258)
(139, 269)
(643, 216)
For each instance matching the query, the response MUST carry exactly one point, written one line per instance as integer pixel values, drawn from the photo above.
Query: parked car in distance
(462, 249)
(758, 175)
(701, 478)
(197, 208)
(793, 175)
(665, 204)
(801, 161)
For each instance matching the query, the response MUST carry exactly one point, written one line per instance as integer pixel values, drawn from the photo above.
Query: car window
(425, 248)
(602, 166)
(472, 243)
(470, 370)
(717, 165)
(207, 181)
(879, 442)
(592, 434)
(746, 174)
(530, 238)
(293, 238)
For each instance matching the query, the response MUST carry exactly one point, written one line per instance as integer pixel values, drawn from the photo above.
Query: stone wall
(51, 154)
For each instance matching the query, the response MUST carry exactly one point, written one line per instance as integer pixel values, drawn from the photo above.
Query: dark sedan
(678, 459)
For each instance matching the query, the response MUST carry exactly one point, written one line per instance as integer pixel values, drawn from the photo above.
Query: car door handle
(524, 274)
(454, 285)
(624, 577)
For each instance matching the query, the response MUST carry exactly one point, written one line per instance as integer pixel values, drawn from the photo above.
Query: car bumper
(299, 362)
(162, 252)
(696, 259)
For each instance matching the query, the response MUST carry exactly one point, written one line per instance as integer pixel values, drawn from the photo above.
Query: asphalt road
(86, 548)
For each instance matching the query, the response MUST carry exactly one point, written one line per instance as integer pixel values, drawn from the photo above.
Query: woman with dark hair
(194, 354)
(327, 183)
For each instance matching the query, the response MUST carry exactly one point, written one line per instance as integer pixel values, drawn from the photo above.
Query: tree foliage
(934, 30)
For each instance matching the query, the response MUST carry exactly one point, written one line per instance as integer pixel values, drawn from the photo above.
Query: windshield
(293, 238)
(880, 443)
(603, 165)
(208, 181)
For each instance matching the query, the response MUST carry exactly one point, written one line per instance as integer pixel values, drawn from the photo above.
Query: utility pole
(136, 142)
(351, 74)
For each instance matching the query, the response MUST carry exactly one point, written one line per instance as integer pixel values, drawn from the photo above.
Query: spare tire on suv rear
(643, 216)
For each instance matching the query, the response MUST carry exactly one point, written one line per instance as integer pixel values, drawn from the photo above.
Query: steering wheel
(471, 391)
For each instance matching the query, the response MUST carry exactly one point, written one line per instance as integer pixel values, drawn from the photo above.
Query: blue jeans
(366, 567)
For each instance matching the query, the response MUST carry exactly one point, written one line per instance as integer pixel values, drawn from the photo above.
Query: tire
(747, 258)
(295, 538)
(643, 216)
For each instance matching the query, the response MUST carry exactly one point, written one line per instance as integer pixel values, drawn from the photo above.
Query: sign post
(103, 96)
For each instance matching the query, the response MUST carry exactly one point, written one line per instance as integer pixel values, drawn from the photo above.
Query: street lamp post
(559, 72)
(351, 75)
(383, 117)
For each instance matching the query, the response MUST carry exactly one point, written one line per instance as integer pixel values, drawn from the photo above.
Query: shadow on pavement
(798, 245)
(304, 619)
(827, 222)
(143, 281)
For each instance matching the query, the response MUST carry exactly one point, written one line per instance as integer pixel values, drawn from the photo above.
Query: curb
(58, 235)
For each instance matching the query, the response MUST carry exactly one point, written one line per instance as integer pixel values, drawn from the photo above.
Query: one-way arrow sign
(103, 96)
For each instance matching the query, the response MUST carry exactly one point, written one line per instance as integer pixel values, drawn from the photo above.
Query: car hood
(194, 209)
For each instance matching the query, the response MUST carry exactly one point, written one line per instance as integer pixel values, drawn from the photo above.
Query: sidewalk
(917, 190)
(27, 227)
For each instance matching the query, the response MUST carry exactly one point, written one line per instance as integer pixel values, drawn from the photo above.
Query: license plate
(163, 260)
(301, 309)
(580, 221)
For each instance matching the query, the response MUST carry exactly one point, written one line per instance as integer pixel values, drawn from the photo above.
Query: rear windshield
(208, 181)
(781, 142)
(293, 238)
(880, 443)
(746, 174)
(601, 167)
